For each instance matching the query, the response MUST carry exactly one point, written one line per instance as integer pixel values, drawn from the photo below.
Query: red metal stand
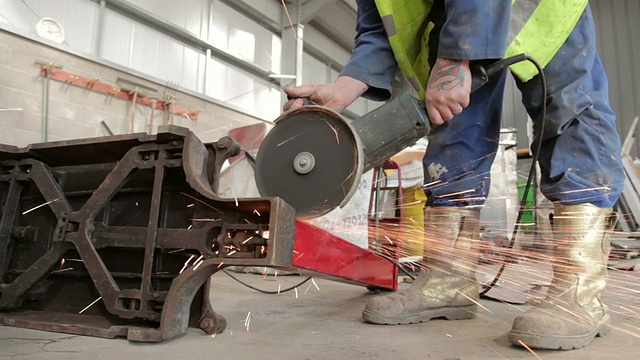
(328, 256)
(385, 234)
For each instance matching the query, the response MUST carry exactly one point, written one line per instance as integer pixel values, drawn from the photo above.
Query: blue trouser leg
(580, 158)
(460, 153)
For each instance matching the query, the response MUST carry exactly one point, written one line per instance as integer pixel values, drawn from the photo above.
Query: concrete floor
(326, 324)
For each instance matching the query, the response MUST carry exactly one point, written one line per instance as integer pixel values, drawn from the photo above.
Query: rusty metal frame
(78, 184)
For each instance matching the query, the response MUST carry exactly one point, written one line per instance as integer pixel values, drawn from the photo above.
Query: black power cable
(266, 291)
(534, 161)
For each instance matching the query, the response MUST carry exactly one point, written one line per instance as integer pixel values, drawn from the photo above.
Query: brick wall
(77, 112)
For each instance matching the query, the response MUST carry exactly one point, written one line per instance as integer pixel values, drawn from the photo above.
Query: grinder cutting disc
(312, 159)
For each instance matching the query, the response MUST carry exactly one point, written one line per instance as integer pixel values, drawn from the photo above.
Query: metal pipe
(45, 105)
(46, 67)
(100, 28)
(178, 33)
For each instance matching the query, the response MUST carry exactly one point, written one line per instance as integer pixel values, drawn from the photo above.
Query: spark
(90, 305)
(186, 263)
(200, 201)
(198, 260)
(190, 226)
(41, 205)
(256, 212)
(279, 285)
(205, 220)
(219, 266)
(61, 270)
(191, 205)
(175, 251)
(247, 321)
(236, 199)
(530, 350)
(456, 193)
(231, 253)
(475, 301)
(335, 131)
(198, 265)
(296, 290)
(62, 263)
(246, 241)
(314, 283)
(217, 129)
(478, 198)
(432, 183)
(589, 189)
(289, 139)
(308, 287)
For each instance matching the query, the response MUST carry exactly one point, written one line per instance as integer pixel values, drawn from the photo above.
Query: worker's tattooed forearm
(447, 74)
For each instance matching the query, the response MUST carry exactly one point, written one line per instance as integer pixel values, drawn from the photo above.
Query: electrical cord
(266, 291)
(534, 160)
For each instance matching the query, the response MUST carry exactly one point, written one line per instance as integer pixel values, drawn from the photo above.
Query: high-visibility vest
(538, 28)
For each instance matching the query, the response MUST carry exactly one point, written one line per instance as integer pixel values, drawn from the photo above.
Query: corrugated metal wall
(618, 27)
(618, 31)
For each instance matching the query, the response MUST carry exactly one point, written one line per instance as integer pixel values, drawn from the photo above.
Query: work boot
(446, 286)
(572, 314)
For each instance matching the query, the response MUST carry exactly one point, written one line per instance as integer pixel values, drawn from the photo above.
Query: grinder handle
(305, 100)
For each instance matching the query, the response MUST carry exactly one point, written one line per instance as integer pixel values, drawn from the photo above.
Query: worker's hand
(448, 90)
(336, 96)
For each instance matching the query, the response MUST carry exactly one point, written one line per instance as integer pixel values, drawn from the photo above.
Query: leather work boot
(572, 314)
(446, 286)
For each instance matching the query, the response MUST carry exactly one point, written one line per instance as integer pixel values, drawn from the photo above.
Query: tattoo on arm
(446, 75)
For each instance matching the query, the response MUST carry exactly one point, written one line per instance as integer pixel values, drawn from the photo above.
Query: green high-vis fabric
(546, 26)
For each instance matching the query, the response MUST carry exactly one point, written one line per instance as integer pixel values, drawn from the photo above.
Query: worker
(433, 44)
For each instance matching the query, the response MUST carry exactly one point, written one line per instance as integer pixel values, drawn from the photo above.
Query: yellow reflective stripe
(407, 40)
(543, 35)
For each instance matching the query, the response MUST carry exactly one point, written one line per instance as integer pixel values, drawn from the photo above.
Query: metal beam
(310, 9)
(249, 10)
(186, 37)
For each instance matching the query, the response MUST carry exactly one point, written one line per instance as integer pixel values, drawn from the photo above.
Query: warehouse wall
(219, 55)
(618, 32)
(76, 112)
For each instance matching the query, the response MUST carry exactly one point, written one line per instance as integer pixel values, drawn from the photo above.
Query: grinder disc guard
(312, 159)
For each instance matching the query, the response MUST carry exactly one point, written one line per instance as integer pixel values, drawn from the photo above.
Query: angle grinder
(313, 158)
